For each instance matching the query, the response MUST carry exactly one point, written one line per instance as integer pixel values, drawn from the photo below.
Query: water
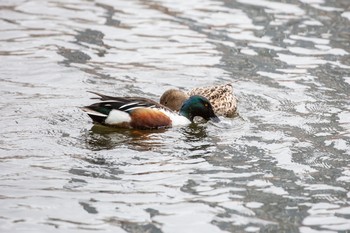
(281, 166)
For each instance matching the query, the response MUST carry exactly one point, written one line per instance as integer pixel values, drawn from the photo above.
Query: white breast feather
(117, 117)
(175, 118)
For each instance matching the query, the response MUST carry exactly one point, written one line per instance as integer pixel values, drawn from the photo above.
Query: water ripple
(281, 165)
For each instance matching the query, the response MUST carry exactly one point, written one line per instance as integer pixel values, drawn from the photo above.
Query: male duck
(142, 113)
(221, 97)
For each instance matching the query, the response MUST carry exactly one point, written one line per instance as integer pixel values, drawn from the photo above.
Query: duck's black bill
(215, 119)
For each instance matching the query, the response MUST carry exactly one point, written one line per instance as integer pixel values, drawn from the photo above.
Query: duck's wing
(220, 96)
(127, 99)
(211, 92)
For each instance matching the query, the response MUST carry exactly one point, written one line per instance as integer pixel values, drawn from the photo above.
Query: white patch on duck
(175, 118)
(117, 117)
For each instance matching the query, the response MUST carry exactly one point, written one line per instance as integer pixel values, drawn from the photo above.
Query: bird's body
(142, 113)
(221, 97)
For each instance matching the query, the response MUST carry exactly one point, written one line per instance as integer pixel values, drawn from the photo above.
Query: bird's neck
(186, 114)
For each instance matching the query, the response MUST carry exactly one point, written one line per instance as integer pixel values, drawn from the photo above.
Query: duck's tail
(95, 115)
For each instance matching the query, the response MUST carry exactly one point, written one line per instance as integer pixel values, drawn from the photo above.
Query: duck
(143, 113)
(221, 97)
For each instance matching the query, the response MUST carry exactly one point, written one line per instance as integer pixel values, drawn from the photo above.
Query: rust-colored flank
(149, 118)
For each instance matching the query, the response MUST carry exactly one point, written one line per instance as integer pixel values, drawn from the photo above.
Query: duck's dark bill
(215, 119)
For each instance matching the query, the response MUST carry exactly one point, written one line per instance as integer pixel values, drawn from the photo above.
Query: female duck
(142, 113)
(221, 97)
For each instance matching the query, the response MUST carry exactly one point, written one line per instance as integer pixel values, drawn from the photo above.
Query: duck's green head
(198, 105)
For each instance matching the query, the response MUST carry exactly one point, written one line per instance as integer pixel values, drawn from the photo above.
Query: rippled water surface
(282, 165)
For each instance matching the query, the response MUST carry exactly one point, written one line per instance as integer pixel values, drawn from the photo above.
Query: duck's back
(221, 97)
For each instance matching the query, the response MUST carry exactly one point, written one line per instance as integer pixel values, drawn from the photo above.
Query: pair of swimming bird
(175, 108)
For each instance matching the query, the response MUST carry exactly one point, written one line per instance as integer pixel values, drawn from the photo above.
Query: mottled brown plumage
(221, 97)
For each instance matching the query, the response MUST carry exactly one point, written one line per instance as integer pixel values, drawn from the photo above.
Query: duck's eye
(206, 105)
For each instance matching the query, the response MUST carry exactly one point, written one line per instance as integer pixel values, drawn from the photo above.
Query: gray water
(282, 165)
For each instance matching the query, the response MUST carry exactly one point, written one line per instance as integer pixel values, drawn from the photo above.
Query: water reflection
(194, 133)
(192, 137)
(101, 137)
